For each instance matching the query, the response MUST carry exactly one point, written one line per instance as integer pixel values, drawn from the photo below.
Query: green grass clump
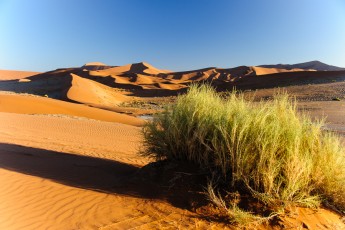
(277, 155)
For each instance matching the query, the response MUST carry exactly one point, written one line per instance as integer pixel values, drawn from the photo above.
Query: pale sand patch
(6, 75)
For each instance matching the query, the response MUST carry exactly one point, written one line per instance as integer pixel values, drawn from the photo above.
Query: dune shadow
(84, 172)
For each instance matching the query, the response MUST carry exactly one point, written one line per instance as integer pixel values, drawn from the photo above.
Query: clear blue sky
(42, 35)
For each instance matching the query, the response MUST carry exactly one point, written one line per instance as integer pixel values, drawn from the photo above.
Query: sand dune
(6, 75)
(263, 70)
(311, 65)
(94, 64)
(138, 68)
(95, 84)
(93, 93)
(39, 105)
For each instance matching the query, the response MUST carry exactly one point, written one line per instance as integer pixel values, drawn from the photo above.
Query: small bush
(266, 148)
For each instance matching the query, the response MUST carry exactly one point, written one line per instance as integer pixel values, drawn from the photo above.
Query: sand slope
(6, 75)
(93, 93)
(40, 105)
(263, 71)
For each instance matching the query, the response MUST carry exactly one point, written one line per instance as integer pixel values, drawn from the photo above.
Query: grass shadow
(79, 171)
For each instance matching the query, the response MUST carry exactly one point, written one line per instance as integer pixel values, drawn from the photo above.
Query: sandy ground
(67, 173)
(66, 164)
(62, 177)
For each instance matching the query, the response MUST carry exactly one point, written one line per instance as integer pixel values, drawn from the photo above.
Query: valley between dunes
(70, 141)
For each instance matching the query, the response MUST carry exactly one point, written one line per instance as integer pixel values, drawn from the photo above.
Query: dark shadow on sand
(84, 172)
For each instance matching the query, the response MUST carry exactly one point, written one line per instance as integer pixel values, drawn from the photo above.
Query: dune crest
(94, 64)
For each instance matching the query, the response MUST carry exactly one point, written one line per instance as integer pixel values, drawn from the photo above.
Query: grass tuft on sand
(265, 149)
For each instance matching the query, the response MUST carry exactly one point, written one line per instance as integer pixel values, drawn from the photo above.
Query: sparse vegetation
(264, 149)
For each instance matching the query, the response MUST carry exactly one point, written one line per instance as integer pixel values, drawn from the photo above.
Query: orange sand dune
(15, 74)
(40, 105)
(263, 70)
(210, 74)
(137, 80)
(95, 66)
(141, 68)
(93, 93)
(95, 86)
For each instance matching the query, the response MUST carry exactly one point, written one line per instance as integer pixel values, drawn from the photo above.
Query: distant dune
(265, 70)
(94, 64)
(137, 68)
(312, 65)
(101, 85)
(15, 74)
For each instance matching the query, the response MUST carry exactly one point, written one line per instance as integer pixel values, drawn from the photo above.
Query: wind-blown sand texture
(68, 175)
(67, 153)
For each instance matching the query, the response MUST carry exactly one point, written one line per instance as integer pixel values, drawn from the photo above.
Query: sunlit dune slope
(93, 93)
(263, 71)
(15, 74)
(40, 105)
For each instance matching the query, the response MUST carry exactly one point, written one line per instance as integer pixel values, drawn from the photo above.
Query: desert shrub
(267, 148)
